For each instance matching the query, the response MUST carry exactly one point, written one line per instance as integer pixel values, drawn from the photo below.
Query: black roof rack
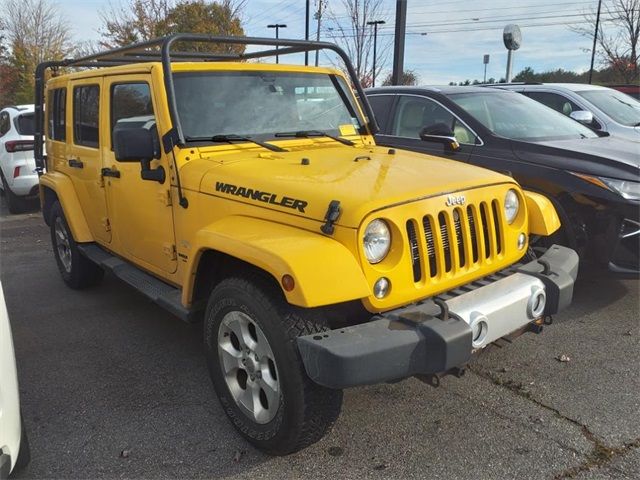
(159, 50)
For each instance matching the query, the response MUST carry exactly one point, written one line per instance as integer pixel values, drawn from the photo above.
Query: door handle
(75, 163)
(109, 172)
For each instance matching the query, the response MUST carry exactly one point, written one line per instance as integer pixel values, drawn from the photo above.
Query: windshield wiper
(230, 138)
(315, 133)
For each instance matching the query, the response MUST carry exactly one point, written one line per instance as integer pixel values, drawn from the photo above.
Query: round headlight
(511, 205)
(376, 241)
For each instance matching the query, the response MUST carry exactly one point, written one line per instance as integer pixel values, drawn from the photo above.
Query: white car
(600, 108)
(18, 177)
(14, 446)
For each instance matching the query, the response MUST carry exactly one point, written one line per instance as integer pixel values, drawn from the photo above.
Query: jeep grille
(454, 240)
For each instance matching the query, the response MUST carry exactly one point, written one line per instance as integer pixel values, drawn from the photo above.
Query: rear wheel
(15, 204)
(77, 270)
(250, 335)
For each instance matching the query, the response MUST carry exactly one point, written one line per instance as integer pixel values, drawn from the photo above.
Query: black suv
(593, 180)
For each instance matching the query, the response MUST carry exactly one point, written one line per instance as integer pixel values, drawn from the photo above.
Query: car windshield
(260, 104)
(515, 116)
(25, 124)
(621, 107)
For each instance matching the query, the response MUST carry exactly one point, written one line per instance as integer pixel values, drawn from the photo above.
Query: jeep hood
(304, 182)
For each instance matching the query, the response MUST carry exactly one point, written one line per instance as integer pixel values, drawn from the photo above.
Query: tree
(137, 23)
(618, 34)
(356, 37)
(210, 18)
(409, 77)
(35, 32)
(147, 19)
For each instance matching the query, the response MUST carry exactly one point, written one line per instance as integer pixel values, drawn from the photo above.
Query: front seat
(410, 123)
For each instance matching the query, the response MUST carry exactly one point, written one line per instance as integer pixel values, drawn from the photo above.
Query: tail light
(16, 172)
(18, 145)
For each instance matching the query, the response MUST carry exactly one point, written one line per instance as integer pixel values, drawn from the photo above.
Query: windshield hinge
(333, 212)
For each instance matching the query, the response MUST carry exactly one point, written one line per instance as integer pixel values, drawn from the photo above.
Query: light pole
(277, 26)
(595, 39)
(375, 46)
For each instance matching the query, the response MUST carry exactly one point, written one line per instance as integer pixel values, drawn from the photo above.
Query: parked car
(593, 181)
(14, 445)
(600, 108)
(18, 178)
(252, 196)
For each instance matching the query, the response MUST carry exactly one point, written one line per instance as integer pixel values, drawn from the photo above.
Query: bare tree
(618, 34)
(351, 32)
(35, 32)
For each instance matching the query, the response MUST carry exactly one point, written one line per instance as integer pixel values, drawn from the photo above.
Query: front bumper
(440, 334)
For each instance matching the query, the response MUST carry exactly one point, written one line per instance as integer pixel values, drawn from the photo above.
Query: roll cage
(160, 49)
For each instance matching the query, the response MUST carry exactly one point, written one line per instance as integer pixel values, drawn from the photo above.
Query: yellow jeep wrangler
(252, 196)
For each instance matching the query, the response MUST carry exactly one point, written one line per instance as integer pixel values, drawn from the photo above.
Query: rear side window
(25, 124)
(86, 105)
(57, 114)
(131, 106)
(381, 106)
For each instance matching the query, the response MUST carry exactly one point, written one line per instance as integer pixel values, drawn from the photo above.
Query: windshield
(621, 107)
(512, 115)
(263, 103)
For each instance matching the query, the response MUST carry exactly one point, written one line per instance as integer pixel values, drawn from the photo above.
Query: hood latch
(333, 212)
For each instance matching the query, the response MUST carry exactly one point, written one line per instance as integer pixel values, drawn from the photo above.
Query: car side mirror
(583, 116)
(139, 145)
(440, 133)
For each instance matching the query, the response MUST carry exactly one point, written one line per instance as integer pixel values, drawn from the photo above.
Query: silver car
(601, 108)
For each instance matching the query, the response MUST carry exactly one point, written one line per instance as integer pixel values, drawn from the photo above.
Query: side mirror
(583, 116)
(142, 145)
(440, 133)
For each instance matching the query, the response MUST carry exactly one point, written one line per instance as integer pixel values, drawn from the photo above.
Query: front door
(140, 210)
(412, 114)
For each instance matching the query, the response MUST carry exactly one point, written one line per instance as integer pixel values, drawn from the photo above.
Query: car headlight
(627, 189)
(376, 241)
(511, 205)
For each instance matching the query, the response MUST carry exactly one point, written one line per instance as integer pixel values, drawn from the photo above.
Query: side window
(553, 100)
(381, 106)
(86, 105)
(415, 113)
(5, 123)
(56, 114)
(131, 106)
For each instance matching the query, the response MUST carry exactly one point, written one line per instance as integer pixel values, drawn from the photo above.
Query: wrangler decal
(261, 196)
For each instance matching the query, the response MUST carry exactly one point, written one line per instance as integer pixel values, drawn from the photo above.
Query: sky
(446, 39)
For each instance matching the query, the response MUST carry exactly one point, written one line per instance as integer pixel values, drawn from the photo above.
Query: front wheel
(250, 335)
(77, 270)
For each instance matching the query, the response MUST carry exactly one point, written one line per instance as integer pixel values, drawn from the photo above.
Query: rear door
(83, 159)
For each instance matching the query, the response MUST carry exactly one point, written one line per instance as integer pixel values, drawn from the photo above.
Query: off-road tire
(15, 203)
(306, 410)
(82, 273)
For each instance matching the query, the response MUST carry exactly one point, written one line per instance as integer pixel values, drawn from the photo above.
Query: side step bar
(163, 294)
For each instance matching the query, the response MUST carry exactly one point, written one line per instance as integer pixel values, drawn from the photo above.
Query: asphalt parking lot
(113, 386)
